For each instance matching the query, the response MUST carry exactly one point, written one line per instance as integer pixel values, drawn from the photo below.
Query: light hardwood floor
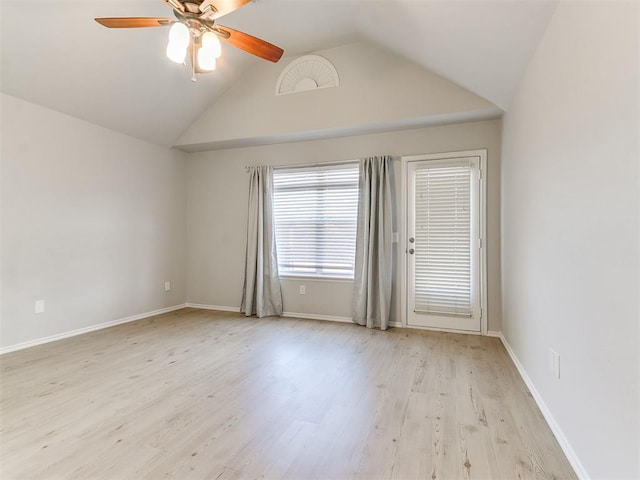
(212, 395)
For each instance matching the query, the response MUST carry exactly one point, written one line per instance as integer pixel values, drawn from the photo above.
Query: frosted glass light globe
(179, 38)
(179, 34)
(176, 53)
(211, 42)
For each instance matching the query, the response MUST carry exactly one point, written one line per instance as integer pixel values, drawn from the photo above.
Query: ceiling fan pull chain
(193, 64)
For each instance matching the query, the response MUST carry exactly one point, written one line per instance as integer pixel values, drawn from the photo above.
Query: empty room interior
(320, 239)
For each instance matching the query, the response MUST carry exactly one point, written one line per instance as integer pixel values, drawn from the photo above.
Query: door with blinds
(443, 243)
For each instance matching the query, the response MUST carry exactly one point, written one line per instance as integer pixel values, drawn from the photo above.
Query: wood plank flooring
(198, 394)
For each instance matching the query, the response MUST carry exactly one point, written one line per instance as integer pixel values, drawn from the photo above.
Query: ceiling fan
(196, 33)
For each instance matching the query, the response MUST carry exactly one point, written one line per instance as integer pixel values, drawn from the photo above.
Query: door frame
(403, 241)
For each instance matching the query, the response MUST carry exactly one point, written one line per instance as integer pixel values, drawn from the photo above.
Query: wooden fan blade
(134, 22)
(223, 7)
(250, 44)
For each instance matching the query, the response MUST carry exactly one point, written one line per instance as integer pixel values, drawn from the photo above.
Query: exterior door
(443, 243)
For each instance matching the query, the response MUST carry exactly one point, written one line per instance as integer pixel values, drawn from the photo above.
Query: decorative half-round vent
(307, 73)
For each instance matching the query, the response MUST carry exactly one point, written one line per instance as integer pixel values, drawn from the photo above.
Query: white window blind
(315, 211)
(443, 240)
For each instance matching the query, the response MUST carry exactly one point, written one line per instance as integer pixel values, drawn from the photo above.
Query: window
(443, 230)
(315, 211)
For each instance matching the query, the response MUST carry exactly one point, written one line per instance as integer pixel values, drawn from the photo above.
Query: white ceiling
(55, 55)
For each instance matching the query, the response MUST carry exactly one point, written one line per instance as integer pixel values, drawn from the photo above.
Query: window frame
(329, 166)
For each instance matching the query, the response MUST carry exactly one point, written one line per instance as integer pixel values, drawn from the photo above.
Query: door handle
(411, 240)
(411, 250)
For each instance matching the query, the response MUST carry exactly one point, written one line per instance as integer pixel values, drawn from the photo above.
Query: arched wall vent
(307, 73)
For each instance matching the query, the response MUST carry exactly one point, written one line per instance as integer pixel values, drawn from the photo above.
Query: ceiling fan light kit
(179, 38)
(196, 33)
(209, 51)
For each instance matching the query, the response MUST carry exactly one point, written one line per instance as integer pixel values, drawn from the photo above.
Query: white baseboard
(221, 308)
(80, 331)
(315, 316)
(575, 462)
(491, 333)
(306, 316)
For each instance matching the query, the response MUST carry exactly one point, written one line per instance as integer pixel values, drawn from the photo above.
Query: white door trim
(402, 245)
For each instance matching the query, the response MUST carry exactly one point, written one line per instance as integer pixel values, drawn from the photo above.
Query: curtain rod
(316, 164)
(303, 165)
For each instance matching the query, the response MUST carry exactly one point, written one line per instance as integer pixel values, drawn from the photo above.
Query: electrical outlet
(167, 286)
(39, 306)
(303, 290)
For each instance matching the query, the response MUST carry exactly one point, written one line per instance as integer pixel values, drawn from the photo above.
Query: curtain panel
(261, 294)
(371, 303)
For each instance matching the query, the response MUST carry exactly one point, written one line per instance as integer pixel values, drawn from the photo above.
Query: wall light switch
(167, 286)
(303, 290)
(556, 364)
(39, 306)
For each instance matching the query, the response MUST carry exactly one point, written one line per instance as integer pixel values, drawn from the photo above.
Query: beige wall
(570, 230)
(377, 87)
(217, 208)
(93, 222)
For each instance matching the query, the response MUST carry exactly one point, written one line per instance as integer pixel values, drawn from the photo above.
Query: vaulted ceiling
(55, 55)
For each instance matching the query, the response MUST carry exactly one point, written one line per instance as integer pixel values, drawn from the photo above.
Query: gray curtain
(261, 294)
(372, 280)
